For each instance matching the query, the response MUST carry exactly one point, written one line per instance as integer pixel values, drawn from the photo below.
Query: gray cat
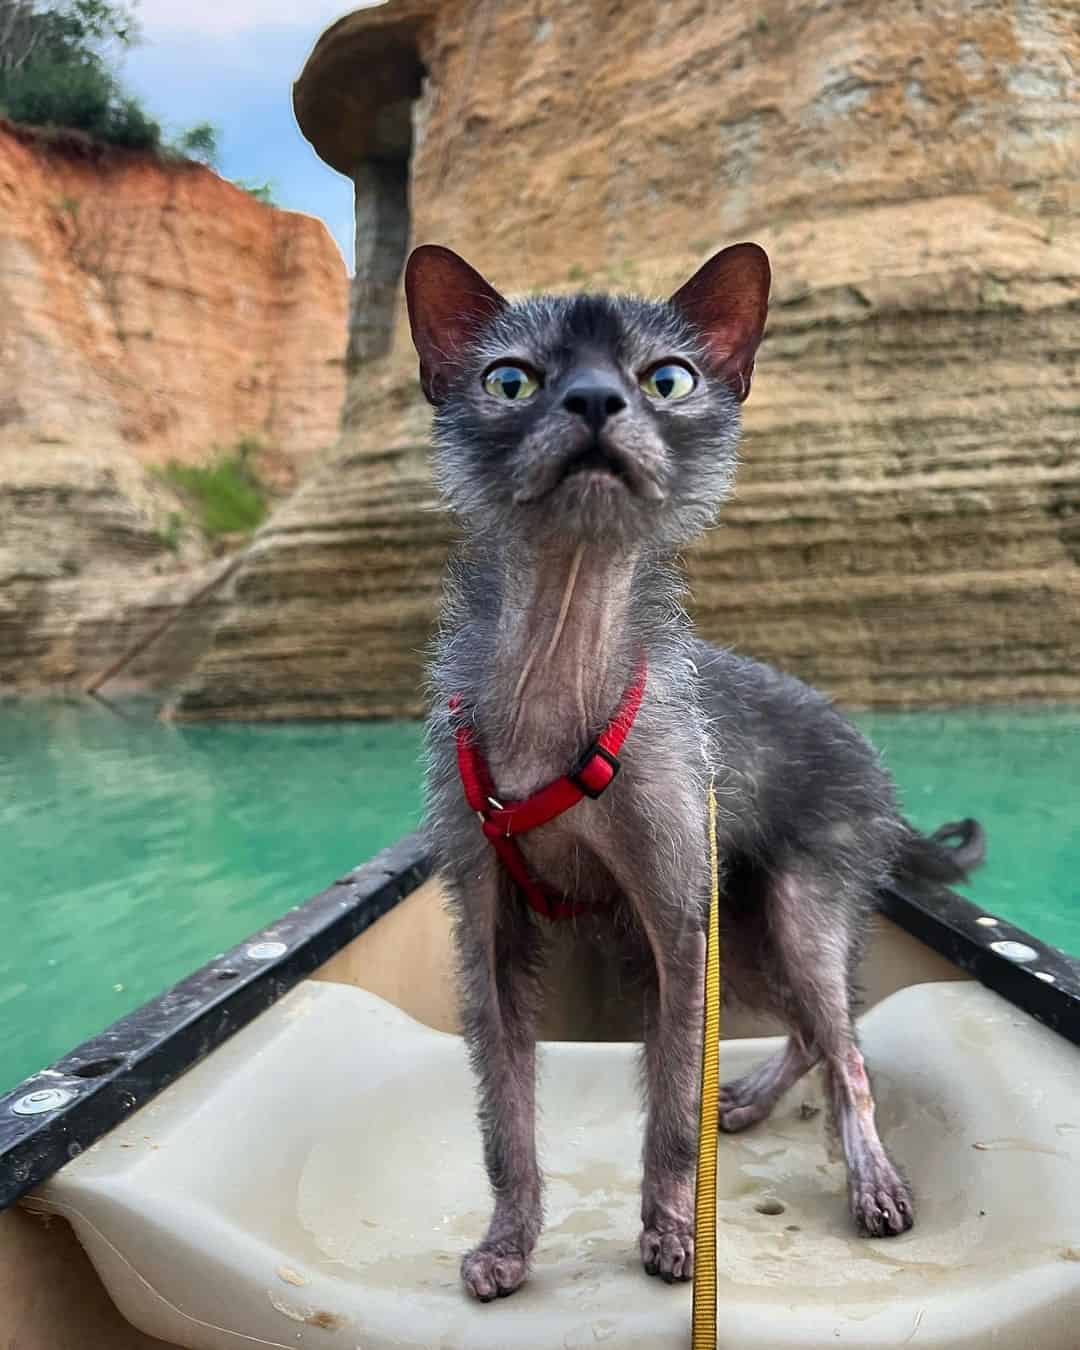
(582, 441)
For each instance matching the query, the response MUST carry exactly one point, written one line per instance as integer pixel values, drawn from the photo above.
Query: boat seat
(315, 1181)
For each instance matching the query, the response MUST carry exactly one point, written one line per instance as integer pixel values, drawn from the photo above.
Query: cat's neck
(563, 643)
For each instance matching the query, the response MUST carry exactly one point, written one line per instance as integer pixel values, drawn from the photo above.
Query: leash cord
(703, 1332)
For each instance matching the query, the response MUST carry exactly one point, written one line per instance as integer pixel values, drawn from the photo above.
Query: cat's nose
(594, 397)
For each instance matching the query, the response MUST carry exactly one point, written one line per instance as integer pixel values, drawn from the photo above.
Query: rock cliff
(149, 311)
(906, 527)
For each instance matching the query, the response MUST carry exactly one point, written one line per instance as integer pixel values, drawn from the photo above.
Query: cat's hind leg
(812, 938)
(746, 1100)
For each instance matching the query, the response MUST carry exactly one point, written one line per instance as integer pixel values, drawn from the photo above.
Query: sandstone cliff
(148, 311)
(906, 527)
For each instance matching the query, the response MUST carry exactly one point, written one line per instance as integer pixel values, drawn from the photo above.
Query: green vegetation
(225, 494)
(200, 142)
(58, 63)
(169, 537)
(56, 69)
(262, 192)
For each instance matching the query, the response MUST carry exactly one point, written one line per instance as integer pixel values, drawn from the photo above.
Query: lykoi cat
(582, 441)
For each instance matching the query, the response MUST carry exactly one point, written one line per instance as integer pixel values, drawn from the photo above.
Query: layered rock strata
(906, 528)
(149, 311)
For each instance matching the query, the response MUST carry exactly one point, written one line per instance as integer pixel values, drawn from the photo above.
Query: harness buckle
(595, 770)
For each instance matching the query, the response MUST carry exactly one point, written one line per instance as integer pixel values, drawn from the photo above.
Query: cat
(582, 441)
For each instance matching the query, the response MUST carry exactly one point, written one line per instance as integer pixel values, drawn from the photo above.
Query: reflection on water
(131, 852)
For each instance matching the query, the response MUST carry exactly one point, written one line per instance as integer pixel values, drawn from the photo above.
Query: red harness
(589, 777)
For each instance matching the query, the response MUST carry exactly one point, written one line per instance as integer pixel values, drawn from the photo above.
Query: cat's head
(587, 415)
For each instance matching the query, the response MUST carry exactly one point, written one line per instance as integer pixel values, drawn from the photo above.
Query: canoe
(281, 1151)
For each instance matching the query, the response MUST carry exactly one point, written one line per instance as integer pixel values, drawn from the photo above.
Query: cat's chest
(653, 809)
(575, 854)
(573, 851)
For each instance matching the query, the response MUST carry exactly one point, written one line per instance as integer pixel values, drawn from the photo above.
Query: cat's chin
(595, 474)
(596, 485)
(594, 504)
(588, 494)
(593, 483)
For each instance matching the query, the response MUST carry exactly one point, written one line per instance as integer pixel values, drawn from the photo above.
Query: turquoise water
(131, 851)
(1017, 770)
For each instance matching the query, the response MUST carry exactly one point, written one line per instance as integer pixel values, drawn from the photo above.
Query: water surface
(131, 851)
(1017, 770)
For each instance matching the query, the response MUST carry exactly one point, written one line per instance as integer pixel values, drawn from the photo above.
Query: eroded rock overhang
(354, 103)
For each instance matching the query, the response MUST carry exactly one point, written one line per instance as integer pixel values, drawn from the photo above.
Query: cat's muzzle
(598, 460)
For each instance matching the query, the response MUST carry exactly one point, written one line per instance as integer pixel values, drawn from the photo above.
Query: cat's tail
(949, 854)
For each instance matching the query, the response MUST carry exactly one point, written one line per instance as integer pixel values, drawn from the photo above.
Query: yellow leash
(703, 1333)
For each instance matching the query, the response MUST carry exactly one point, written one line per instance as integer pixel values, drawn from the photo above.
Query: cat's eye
(668, 382)
(511, 382)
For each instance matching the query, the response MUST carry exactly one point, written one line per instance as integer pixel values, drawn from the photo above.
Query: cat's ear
(448, 301)
(727, 300)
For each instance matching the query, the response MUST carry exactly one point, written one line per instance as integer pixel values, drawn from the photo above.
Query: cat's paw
(735, 1116)
(881, 1203)
(493, 1271)
(668, 1254)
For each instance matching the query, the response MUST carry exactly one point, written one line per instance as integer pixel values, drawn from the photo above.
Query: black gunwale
(144, 1052)
(151, 1047)
(949, 924)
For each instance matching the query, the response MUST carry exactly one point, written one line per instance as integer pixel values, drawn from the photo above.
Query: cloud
(216, 18)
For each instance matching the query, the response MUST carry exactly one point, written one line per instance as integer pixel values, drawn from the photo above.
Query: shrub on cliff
(225, 494)
(55, 69)
(57, 61)
(200, 142)
(262, 192)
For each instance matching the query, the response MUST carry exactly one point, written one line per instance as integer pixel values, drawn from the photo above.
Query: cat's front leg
(499, 960)
(672, 1070)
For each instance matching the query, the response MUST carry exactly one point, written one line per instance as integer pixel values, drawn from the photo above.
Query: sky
(232, 62)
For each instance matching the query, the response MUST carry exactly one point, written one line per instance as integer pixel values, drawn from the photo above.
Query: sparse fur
(562, 582)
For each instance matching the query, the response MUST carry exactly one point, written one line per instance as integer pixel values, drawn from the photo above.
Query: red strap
(590, 777)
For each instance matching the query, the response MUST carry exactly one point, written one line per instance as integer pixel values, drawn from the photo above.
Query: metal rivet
(267, 951)
(1014, 951)
(987, 921)
(1045, 976)
(45, 1099)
